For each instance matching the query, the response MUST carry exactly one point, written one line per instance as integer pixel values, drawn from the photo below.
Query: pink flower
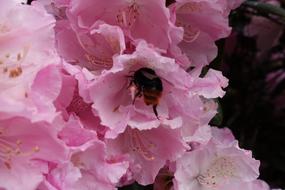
(197, 107)
(253, 185)
(117, 105)
(27, 48)
(113, 99)
(148, 152)
(25, 150)
(92, 48)
(89, 167)
(75, 135)
(200, 30)
(211, 85)
(55, 7)
(73, 102)
(222, 136)
(215, 165)
(197, 113)
(141, 19)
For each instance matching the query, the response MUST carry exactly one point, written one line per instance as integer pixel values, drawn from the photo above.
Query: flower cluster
(98, 94)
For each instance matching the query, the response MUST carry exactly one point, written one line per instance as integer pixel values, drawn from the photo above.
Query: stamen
(124, 18)
(12, 63)
(128, 16)
(190, 33)
(15, 72)
(190, 8)
(10, 149)
(140, 146)
(113, 43)
(220, 170)
(101, 62)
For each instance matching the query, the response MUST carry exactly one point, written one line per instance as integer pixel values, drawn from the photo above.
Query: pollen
(220, 170)
(13, 73)
(10, 63)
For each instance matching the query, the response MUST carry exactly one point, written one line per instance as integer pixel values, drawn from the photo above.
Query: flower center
(102, 62)
(190, 33)
(11, 64)
(141, 145)
(10, 149)
(77, 105)
(220, 170)
(127, 17)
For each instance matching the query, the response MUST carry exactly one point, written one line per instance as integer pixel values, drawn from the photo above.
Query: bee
(148, 85)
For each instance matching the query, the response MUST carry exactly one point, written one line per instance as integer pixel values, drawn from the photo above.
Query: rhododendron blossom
(26, 150)
(93, 49)
(89, 168)
(27, 46)
(117, 108)
(132, 16)
(198, 48)
(147, 153)
(98, 94)
(215, 165)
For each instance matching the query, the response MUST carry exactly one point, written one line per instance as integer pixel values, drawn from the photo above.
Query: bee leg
(155, 111)
(130, 84)
(138, 94)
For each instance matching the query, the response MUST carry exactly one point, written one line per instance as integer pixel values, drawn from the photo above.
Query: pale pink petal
(148, 152)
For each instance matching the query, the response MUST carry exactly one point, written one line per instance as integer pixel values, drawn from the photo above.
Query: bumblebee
(148, 85)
